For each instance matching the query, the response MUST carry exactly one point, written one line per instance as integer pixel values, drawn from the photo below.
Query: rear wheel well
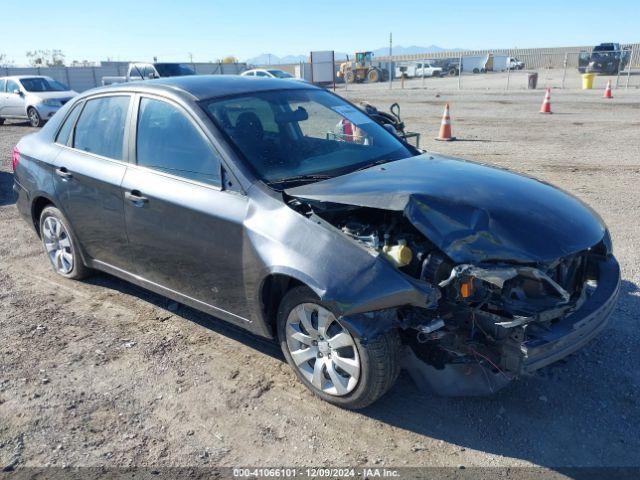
(39, 204)
(274, 288)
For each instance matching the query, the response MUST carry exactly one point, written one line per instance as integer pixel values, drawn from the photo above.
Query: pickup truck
(514, 63)
(418, 69)
(608, 58)
(503, 62)
(148, 71)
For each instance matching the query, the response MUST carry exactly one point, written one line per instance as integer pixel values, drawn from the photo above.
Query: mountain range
(271, 59)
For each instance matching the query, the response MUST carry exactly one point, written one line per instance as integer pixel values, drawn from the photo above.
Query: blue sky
(170, 30)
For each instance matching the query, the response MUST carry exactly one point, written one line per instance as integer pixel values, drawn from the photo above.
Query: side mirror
(17, 92)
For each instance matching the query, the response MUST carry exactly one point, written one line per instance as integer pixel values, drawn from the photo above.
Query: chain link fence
(493, 70)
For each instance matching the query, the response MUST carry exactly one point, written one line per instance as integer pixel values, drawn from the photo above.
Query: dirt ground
(101, 372)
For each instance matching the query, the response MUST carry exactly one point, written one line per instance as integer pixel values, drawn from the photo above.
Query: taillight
(15, 158)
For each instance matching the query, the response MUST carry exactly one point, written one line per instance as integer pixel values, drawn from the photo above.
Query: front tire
(34, 117)
(328, 360)
(61, 245)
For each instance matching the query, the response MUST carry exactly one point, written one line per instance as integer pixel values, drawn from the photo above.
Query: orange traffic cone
(546, 103)
(607, 91)
(445, 126)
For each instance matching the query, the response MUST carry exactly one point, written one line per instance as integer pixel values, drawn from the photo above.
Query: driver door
(14, 102)
(185, 232)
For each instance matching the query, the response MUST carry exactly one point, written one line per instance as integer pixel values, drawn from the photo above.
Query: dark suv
(607, 58)
(280, 207)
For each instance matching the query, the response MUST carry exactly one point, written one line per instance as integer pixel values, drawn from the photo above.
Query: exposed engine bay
(475, 341)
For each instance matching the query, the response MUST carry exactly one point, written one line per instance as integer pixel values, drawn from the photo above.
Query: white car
(266, 72)
(32, 97)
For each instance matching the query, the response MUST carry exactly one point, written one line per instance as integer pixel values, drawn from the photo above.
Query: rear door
(88, 175)
(185, 231)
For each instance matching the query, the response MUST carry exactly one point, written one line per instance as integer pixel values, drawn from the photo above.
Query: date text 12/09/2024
(313, 472)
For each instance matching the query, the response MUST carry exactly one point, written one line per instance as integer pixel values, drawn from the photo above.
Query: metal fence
(554, 67)
(84, 78)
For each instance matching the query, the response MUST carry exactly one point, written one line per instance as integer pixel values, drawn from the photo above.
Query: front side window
(39, 84)
(65, 131)
(169, 142)
(288, 134)
(3, 82)
(100, 128)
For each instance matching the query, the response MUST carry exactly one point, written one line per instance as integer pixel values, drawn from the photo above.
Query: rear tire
(377, 360)
(34, 117)
(60, 245)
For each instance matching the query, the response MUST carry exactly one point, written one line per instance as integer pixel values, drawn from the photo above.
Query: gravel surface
(101, 372)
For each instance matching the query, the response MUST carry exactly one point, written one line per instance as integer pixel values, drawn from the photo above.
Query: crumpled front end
(524, 272)
(491, 321)
(496, 323)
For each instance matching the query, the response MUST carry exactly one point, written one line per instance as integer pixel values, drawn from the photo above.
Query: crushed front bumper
(538, 350)
(578, 328)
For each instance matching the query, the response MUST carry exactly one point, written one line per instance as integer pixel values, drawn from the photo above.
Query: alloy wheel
(322, 350)
(34, 118)
(58, 245)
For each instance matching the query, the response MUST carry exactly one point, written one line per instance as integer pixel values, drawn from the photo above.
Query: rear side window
(169, 142)
(100, 128)
(65, 131)
(2, 84)
(12, 86)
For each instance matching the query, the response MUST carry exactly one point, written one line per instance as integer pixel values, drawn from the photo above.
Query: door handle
(135, 198)
(63, 173)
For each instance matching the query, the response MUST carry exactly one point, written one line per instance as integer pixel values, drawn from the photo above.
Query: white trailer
(477, 64)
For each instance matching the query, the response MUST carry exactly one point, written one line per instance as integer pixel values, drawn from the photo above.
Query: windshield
(604, 48)
(173, 69)
(39, 84)
(302, 133)
(280, 74)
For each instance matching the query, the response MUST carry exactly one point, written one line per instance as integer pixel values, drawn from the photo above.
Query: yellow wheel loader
(362, 69)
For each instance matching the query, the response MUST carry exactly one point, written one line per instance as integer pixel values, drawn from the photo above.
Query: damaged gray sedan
(284, 209)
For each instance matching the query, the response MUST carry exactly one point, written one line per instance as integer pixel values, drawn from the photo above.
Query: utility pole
(390, 53)
(190, 57)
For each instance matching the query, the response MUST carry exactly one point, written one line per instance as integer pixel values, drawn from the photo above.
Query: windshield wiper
(299, 178)
(372, 164)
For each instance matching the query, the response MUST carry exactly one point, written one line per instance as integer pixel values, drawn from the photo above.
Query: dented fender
(352, 280)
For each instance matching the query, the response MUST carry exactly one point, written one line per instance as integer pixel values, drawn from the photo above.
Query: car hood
(470, 211)
(64, 95)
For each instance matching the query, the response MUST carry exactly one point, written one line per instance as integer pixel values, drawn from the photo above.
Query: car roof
(203, 87)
